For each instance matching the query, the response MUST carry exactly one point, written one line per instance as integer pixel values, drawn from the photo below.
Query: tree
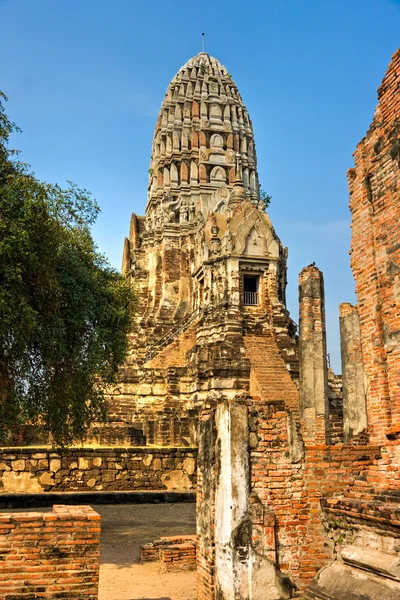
(64, 312)
(265, 198)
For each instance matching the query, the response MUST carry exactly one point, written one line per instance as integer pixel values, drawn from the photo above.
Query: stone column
(312, 351)
(354, 406)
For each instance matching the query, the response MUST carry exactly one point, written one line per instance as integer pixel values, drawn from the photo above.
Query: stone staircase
(270, 379)
(173, 333)
(174, 354)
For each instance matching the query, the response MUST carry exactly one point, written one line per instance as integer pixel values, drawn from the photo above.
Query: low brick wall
(174, 553)
(178, 557)
(40, 469)
(50, 555)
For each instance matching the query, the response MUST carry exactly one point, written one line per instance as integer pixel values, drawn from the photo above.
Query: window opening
(250, 290)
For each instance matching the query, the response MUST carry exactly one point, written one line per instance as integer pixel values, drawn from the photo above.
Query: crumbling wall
(157, 402)
(50, 554)
(281, 521)
(365, 537)
(335, 402)
(374, 186)
(174, 553)
(289, 475)
(362, 522)
(32, 470)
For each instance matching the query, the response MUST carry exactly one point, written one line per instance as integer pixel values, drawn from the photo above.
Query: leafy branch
(265, 198)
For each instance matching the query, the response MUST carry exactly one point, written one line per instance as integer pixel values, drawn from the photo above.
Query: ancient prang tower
(205, 259)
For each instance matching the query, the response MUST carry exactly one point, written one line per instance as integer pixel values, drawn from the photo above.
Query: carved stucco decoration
(218, 175)
(216, 141)
(215, 227)
(170, 206)
(220, 199)
(253, 225)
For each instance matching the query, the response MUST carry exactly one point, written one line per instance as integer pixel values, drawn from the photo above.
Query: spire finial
(238, 193)
(202, 42)
(238, 178)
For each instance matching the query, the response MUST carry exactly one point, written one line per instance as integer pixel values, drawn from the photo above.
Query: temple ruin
(297, 471)
(216, 361)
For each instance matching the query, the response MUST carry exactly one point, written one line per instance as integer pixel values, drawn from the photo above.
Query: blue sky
(85, 80)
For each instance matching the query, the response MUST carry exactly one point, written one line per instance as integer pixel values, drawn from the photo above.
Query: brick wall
(50, 554)
(335, 402)
(375, 255)
(365, 537)
(290, 489)
(382, 478)
(287, 483)
(174, 553)
(327, 471)
(33, 470)
(178, 557)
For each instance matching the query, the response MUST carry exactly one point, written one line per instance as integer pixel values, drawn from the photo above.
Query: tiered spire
(202, 141)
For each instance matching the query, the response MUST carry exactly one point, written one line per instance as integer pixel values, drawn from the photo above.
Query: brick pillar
(126, 258)
(229, 566)
(312, 352)
(354, 407)
(232, 527)
(205, 506)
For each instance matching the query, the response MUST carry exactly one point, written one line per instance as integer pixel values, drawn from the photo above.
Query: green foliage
(265, 198)
(64, 312)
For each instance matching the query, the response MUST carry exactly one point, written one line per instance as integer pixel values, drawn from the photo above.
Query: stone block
(83, 463)
(156, 464)
(31, 465)
(18, 465)
(55, 465)
(21, 482)
(147, 460)
(46, 479)
(176, 480)
(189, 465)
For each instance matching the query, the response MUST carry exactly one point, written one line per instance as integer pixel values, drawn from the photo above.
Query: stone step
(271, 379)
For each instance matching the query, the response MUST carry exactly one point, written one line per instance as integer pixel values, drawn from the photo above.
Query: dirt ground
(125, 527)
